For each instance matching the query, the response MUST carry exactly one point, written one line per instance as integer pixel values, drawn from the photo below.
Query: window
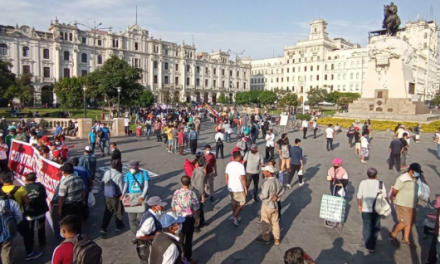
(66, 55)
(187, 81)
(317, 68)
(244, 85)
(70, 36)
(311, 78)
(351, 76)
(332, 76)
(188, 68)
(238, 85)
(293, 69)
(176, 80)
(344, 76)
(99, 59)
(84, 40)
(287, 79)
(115, 43)
(3, 49)
(287, 61)
(84, 57)
(66, 37)
(99, 42)
(176, 67)
(66, 72)
(244, 74)
(46, 72)
(198, 69)
(223, 84)
(198, 82)
(302, 89)
(166, 65)
(238, 74)
(206, 70)
(166, 52)
(206, 82)
(329, 58)
(223, 72)
(166, 80)
(325, 77)
(287, 70)
(26, 69)
(281, 79)
(293, 61)
(45, 53)
(277, 79)
(317, 77)
(155, 79)
(61, 36)
(154, 64)
(136, 46)
(311, 68)
(25, 51)
(352, 64)
(305, 68)
(333, 67)
(426, 35)
(215, 71)
(84, 73)
(214, 83)
(230, 73)
(293, 88)
(357, 75)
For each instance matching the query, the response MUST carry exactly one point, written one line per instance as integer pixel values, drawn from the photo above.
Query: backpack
(253, 129)
(381, 205)
(8, 226)
(188, 166)
(285, 151)
(219, 142)
(85, 251)
(111, 189)
(10, 195)
(100, 133)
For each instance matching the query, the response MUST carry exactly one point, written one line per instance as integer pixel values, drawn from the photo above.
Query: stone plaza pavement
(222, 242)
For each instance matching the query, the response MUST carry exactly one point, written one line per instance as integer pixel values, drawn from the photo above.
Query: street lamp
(94, 29)
(119, 93)
(85, 101)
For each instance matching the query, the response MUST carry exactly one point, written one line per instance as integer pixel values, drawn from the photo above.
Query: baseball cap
(268, 168)
(415, 167)
(155, 200)
(170, 219)
(133, 164)
(337, 161)
(88, 148)
(254, 146)
(67, 167)
(44, 138)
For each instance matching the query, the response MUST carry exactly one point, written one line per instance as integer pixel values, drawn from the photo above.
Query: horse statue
(391, 21)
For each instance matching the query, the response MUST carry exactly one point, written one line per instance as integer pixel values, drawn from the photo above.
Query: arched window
(333, 67)
(25, 51)
(66, 55)
(99, 59)
(84, 57)
(3, 49)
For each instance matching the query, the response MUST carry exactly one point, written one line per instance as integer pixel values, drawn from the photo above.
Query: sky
(260, 28)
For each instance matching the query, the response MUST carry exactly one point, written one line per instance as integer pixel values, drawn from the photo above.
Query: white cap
(268, 168)
(88, 148)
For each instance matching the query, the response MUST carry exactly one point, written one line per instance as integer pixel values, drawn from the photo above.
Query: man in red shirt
(211, 172)
(69, 227)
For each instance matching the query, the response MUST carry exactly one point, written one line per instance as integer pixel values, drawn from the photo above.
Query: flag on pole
(211, 110)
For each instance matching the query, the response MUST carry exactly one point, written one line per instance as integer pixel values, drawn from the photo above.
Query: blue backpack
(8, 226)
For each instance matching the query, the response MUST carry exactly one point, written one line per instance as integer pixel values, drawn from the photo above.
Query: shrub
(303, 116)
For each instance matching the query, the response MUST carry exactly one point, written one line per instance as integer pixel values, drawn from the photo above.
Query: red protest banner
(23, 158)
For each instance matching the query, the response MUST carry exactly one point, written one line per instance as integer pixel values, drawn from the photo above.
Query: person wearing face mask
(149, 227)
(166, 248)
(211, 172)
(405, 199)
(198, 185)
(113, 205)
(338, 177)
(88, 160)
(116, 156)
(135, 182)
(22, 135)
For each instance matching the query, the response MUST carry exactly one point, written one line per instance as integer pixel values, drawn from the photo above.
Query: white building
(339, 65)
(66, 50)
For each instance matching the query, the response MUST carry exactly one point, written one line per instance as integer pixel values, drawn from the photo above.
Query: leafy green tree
(222, 99)
(70, 93)
(146, 98)
(7, 78)
(267, 97)
(334, 97)
(436, 100)
(316, 96)
(241, 98)
(289, 100)
(21, 89)
(115, 73)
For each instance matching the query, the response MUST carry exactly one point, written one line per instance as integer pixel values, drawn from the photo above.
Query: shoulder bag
(381, 205)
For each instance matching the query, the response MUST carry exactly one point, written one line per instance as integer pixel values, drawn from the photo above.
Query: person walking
(235, 177)
(357, 140)
(92, 140)
(367, 193)
(104, 139)
(185, 203)
(395, 150)
(211, 172)
(116, 156)
(219, 138)
(304, 126)
(329, 135)
(181, 137)
(158, 129)
(193, 137)
(405, 199)
(315, 128)
(265, 127)
(350, 135)
(405, 143)
(271, 192)
(253, 162)
(365, 147)
(338, 178)
(296, 163)
(198, 185)
(4, 149)
(270, 144)
(113, 186)
(282, 147)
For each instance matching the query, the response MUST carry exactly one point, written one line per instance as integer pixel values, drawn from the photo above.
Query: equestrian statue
(391, 21)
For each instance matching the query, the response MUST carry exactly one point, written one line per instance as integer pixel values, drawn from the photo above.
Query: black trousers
(25, 232)
(4, 165)
(186, 236)
(304, 132)
(269, 152)
(113, 206)
(85, 208)
(314, 132)
(202, 215)
(263, 132)
(294, 169)
(255, 178)
(41, 227)
(74, 208)
(396, 158)
(329, 143)
(217, 149)
(193, 146)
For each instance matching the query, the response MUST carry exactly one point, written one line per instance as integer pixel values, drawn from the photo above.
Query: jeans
(186, 237)
(403, 157)
(217, 149)
(371, 228)
(314, 132)
(174, 146)
(329, 143)
(253, 177)
(394, 157)
(134, 220)
(113, 206)
(41, 227)
(105, 144)
(148, 133)
(92, 146)
(269, 152)
(253, 138)
(228, 136)
(202, 215)
(158, 135)
(193, 146)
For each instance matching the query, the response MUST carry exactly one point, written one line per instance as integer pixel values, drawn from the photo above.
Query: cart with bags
(332, 209)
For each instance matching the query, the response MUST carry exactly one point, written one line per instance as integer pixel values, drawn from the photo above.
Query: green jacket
(9, 138)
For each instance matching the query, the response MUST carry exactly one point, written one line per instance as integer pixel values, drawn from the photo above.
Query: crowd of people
(164, 234)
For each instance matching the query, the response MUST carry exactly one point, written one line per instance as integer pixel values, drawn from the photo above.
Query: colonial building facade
(168, 68)
(336, 64)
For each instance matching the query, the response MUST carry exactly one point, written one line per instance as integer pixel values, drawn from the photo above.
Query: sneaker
(234, 221)
(103, 231)
(288, 186)
(120, 228)
(34, 255)
(301, 184)
(232, 217)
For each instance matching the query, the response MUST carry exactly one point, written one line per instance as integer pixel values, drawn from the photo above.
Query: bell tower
(318, 29)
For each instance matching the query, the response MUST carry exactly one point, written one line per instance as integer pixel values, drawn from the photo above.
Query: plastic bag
(91, 202)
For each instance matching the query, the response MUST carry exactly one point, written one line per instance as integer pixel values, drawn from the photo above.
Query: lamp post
(85, 101)
(94, 29)
(119, 95)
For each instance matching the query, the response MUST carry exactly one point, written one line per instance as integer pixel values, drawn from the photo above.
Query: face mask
(178, 230)
(133, 171)
(416, 174)
(57, 143)
(254, 151)
(61, 234)
(159, 213)
(112, 150)
(207, 151)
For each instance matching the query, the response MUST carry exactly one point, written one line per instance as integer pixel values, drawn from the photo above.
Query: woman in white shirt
(365, 147)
